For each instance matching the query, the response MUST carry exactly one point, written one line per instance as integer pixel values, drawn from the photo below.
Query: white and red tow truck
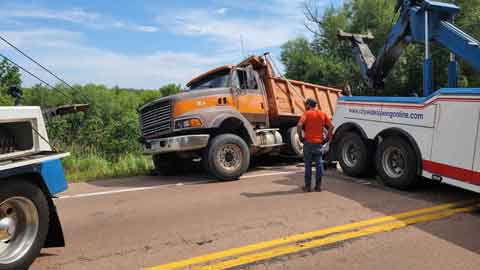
(407, 139)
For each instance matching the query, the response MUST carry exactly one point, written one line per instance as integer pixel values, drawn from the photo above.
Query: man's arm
(300, 124)
(330, 128)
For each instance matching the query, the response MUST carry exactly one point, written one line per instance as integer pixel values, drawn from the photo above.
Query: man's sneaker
(306, 189)
(318, 186)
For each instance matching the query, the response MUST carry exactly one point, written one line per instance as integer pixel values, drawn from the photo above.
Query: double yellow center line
(300, 242)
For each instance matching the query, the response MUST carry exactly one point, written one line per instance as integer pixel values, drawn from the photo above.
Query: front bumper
(176, 144)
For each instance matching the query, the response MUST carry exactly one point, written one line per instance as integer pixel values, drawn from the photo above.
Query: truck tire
(24, 212)
(227, 157)
(354, 155)
(396, 163)
(295, 145)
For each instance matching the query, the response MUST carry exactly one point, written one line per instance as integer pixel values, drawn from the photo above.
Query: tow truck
(407, 139)
(31, 174)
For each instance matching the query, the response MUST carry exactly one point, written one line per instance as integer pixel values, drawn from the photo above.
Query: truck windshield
(217, 80)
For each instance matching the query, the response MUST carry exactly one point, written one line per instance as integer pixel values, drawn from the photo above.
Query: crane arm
(420, 21)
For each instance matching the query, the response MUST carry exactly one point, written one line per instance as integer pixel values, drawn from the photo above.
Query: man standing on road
(313, 122)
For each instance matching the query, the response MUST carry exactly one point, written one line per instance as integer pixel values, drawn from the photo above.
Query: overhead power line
(36, 62)
(33, 75)
(86, 99)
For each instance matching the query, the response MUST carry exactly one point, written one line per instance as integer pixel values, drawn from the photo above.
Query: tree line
(110, 128)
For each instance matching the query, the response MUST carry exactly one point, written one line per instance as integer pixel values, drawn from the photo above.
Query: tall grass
(87, 164)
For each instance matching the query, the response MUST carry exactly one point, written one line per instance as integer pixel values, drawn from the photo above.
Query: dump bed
(286, 98)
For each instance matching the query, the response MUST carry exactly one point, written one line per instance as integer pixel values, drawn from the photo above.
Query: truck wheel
(227, 157)
(397, 163)
(24, 222)
(354, 155)
(295, 145)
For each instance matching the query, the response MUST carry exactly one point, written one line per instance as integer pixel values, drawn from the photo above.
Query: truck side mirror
(240, 80)
(235, 84)
(251, 78)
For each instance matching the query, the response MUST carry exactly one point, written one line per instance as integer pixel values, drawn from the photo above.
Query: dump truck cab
(238, 87)
(224, 92)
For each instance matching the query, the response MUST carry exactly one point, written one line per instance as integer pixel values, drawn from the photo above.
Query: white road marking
(109, 192)
(270, 174)
(93, 194)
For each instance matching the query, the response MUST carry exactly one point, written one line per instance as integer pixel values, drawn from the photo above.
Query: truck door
(455, 137)
(250, 101)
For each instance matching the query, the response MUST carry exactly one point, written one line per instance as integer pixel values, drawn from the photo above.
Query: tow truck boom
(420, 21)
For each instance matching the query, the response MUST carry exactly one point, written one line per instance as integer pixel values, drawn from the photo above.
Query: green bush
(93, 166)
(104, 140)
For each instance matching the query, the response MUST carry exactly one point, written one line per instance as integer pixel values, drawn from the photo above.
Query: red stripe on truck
(461, 174)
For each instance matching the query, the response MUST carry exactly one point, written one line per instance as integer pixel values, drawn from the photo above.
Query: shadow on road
(371, 193)
(273, 193)
(195, 174)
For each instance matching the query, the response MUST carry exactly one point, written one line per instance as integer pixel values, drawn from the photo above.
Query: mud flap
(55, 236)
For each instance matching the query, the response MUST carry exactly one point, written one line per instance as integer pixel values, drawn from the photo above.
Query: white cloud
(257, 33)
(51, 38)
(221, 11)
(271, 23)
(69, 57)
(289, 8)
(77, 16)
(147, 29)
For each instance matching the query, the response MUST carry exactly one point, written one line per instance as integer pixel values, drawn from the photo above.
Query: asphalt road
(264, 221)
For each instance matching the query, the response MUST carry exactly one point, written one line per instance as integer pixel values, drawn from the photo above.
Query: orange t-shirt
(314, 121)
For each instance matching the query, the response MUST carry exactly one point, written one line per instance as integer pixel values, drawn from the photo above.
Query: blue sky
(145, 44)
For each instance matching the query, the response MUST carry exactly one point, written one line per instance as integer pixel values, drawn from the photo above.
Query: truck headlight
(188, 123)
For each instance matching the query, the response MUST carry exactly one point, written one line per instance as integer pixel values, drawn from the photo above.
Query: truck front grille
(156, 120)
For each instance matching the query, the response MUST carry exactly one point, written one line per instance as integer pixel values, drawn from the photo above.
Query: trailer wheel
(397, 163)
(354, 155)
(227, 157)
(24, 222)
(295, 145)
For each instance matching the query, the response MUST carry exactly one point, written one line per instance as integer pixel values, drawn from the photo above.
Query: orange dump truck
(227, 115)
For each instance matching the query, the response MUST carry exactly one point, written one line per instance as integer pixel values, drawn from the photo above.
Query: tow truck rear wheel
(227, 157)
(354, 155)
(24, 222)
(397, 163)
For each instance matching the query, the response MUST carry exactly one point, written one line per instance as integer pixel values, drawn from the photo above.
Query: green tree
(304, 64)
(327, 60)
(110, 128)
(9, 76)
(170, 89)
